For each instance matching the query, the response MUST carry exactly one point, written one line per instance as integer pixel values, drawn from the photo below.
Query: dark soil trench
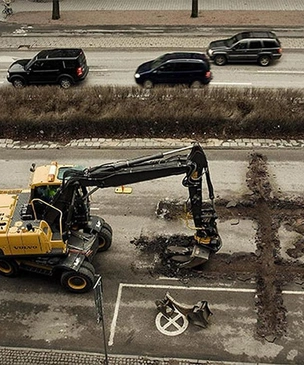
(265, 266)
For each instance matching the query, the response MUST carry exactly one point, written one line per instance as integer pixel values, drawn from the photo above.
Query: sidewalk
(136, 24)
(76, 5)
(14, 356)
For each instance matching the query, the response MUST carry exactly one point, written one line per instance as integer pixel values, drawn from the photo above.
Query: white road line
(234, 290)
(293, 292)
(150, 286)
(280, 72)
(165, 278)
(232, 83)
(114, 321)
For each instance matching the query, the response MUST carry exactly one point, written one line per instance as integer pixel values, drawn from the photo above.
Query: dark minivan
(184, 68)
(62, 66)
(260, 46)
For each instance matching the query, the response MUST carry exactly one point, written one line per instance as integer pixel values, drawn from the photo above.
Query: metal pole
(105, 344)
(56, 11)
(98, 295)
(194, 13)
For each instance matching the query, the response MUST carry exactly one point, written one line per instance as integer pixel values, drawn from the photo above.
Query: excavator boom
(193, 165)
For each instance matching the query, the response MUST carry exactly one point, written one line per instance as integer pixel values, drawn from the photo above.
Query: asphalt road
(36, 312)
(118, 68)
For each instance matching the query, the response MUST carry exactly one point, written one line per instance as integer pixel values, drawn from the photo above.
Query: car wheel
(8, 268)
(148, 84)
(80, 281)
(196, 84)
(18, 83)
(220, 60)
(264, 61)
(65, 82)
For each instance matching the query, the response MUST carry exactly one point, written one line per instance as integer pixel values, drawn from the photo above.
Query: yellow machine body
(35, 237)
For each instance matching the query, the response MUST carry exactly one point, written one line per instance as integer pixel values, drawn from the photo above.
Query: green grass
(50, 113)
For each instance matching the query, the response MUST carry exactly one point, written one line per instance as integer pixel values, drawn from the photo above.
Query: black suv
(64, 66)
(188, 68)
(257, 46)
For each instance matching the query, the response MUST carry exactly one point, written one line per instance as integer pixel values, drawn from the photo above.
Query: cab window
(241, 45)
(255, 45)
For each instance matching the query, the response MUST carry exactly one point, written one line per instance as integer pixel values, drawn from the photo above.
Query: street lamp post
(194, 13)
(56, 11)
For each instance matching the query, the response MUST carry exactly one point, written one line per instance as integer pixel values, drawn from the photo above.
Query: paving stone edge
(148, 143)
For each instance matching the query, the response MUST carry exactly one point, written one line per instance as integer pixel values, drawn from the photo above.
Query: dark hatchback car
(176, 68)
(62, 66)
(261, 47)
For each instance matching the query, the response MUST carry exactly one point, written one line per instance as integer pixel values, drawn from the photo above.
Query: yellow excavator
(49, 228)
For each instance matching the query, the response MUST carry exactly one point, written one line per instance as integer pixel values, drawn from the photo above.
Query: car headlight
(137, 76)
(210, 52)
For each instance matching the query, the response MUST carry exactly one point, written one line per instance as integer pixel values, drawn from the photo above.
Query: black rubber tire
(107, 227)
(220, 60)
(8, 268)
(88, 266)
(105, 239)
(65, 82)
(80, 281)
(264, 61)
(148, 84)
(196, 84)
(18, 83)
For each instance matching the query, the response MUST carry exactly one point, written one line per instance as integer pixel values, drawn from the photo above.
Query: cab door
(255, 47)
(164, 74)
(239, 51)
(44, 71)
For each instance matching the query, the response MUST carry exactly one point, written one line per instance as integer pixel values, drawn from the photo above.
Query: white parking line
(150, 286)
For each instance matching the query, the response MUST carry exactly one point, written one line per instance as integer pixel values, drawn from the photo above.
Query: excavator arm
(193, 165)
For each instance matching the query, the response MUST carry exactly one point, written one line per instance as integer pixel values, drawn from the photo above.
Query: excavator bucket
(200, 314)
(186, 257)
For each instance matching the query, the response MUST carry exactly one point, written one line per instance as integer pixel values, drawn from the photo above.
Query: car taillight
(79, 71)
(280, 50)
(208, 74)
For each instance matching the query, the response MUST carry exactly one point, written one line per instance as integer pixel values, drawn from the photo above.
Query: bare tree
(194, 13)
(56, 11)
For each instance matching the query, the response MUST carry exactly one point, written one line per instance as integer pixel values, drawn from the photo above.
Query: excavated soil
(265, 266)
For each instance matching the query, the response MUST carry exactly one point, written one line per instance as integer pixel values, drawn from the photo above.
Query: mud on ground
(266, 266)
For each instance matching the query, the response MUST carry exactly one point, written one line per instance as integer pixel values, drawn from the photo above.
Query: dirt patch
(269, 270)
(174, 17)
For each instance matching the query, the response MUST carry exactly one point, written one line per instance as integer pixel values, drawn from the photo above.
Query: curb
(20, 356)
(149, 143)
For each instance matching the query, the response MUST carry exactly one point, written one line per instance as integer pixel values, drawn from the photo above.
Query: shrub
(51, 113)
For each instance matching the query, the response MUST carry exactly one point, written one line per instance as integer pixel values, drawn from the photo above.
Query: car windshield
(30, 62)
(231, 41)
(158, 61)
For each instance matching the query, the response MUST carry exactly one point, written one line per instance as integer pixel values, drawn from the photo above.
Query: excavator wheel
(107, 227)
(8, 268)
(105, 238)
(80, 281)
